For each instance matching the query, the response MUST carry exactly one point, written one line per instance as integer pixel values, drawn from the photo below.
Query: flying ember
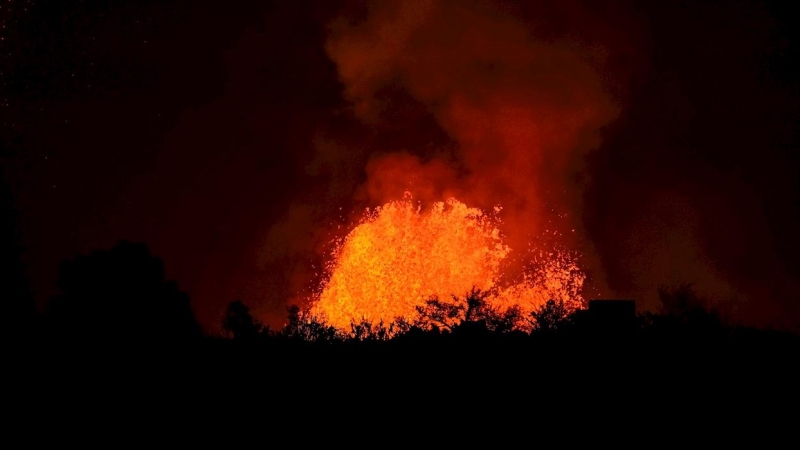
(401, 255)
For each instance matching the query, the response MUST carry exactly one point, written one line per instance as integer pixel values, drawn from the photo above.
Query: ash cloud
(521, 96)
(582, 119)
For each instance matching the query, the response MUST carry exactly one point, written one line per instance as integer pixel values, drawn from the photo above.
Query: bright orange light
(400, 255)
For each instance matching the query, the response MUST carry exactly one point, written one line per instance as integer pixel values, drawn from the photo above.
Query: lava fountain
(400, 255)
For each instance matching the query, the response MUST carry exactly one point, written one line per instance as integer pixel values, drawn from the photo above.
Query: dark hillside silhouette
(118, 294)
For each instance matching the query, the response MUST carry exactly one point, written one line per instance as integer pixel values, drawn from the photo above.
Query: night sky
(232, 137)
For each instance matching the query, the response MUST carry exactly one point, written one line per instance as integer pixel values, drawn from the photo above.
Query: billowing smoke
(521, 105)
(552, 111)
(664, 133)
(520, 109)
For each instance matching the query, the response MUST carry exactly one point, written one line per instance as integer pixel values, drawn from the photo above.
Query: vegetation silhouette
(682, 316)
(551, 317)
(120, 294)
(305, 327)
(471, 311)
(240, 324)
(459, 352)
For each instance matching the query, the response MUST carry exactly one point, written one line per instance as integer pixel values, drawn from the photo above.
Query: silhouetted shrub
(551, 316)
(473, 308)
(302, 326)
(240, 323)
(365, 330)
(682, 307)
(121, 293)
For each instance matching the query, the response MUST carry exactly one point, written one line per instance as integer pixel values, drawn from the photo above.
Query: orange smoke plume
(520, 107)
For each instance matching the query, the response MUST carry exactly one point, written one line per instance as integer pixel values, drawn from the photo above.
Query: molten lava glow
(400, 255)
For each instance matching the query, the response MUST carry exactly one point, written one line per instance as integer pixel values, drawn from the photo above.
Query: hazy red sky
(230, 136)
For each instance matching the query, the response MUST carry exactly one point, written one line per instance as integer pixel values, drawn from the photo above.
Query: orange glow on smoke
(400, 255)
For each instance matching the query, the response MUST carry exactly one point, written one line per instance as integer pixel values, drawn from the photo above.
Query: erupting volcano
(401, 255)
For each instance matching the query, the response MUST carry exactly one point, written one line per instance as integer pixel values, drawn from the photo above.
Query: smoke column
(554, 112)
(522, 109)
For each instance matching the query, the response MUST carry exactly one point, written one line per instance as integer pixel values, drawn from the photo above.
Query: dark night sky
(218, 133)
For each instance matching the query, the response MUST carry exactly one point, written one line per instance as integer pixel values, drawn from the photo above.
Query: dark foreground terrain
(460, 381)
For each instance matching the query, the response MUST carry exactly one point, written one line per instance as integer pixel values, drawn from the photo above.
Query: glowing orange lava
(400, 255)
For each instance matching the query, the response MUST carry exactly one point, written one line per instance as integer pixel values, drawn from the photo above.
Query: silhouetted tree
(682, 305)
(121, 293)
(507, 321)
(305, 327)
(240, 323)
(551, 316)
(404, 326)
(365, 330)
(440, 314)
(472, 309)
